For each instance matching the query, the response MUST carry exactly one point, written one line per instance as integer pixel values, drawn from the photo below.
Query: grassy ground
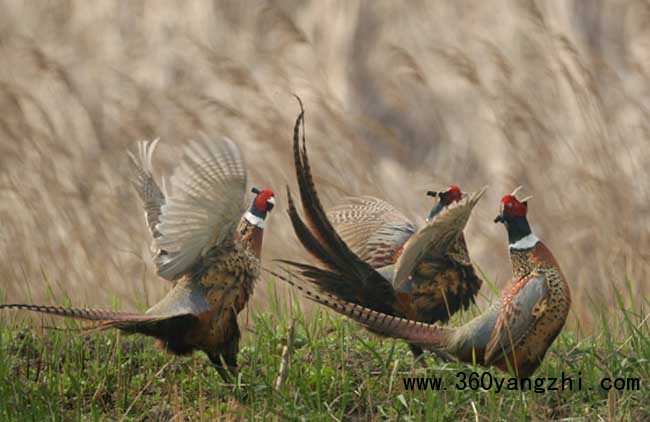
(336, 371)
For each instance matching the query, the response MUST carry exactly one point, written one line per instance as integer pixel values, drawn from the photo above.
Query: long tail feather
(377, 322)
(308, 240)
(312, 206)
(168, 329)
(77, 313)
(349, 278)
(335, 284)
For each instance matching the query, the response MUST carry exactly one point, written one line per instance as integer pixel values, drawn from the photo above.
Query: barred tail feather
(349, 277)
(308, 240)
(168, 329)
(380, 323)
(335, 284)
(315, 214)
(77, 313)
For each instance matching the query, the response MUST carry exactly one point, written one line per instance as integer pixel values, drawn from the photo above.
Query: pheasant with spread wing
(441, 282)
(375, 257)
(515, 332)
(205, 242)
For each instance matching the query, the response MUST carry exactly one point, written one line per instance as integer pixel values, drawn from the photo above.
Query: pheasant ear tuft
(517, 189)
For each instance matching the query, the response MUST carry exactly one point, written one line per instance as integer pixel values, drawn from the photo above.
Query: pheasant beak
(500, 218)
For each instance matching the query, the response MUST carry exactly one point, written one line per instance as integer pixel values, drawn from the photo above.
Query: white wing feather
(205, 205)
(145, 185)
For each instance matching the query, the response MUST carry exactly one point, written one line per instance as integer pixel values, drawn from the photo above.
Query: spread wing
(438, 235)
(372, 228)
(518, 314)
(205, 205)
(145, 185)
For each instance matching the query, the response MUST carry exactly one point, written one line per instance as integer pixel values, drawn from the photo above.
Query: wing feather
(205, 205)
(517, 316)
(145, 185)
(372, 228)
(438, 235)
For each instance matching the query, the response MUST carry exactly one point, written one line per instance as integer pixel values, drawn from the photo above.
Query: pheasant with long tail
(515, 332)
(205, 242)
(375, 257)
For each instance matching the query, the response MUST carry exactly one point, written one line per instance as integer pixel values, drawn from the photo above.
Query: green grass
(336, 371)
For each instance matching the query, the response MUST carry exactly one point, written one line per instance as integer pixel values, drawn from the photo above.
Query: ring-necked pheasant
(205, 242)
(424, 275)
(516, 331)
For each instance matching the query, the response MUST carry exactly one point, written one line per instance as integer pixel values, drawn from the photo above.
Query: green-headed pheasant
(205, 242)
(515, 332)
(424, 274)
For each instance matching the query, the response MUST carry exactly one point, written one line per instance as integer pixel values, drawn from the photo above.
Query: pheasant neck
(251, 233)
(522, 243)
(254, 218)
(518, 229)
(436, 210)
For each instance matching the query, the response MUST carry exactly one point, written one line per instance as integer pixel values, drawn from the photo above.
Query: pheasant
(515, 332)
(424, 275)
(205, 242)
(441, 282)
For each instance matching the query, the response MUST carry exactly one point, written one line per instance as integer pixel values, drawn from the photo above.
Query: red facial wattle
(453, 194)
(512, 207)
(261, 201)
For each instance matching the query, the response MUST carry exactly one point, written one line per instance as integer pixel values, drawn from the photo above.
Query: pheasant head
(445, 198)
(512, 213)
(262, 204)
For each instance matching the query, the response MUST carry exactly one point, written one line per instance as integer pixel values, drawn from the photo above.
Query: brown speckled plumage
(203, 243)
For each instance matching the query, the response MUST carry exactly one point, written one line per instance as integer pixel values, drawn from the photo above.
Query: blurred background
(401, 98)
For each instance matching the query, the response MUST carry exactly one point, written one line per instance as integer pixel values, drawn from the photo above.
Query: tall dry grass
(400, 98)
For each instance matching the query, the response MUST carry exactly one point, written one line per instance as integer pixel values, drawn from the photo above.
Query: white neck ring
(254, 220)
(525, 242)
